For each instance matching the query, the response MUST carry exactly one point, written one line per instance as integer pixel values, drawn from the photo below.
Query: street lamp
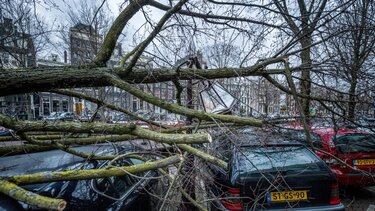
(216, 99)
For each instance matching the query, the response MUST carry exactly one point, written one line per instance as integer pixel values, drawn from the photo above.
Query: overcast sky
(54, 12)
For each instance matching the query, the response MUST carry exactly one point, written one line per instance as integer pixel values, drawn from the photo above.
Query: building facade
(48, 103)
(16, 50)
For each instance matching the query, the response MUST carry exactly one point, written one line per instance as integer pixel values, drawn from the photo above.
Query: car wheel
(9, 204)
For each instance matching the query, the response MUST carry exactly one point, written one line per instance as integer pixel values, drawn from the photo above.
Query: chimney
(65, 57)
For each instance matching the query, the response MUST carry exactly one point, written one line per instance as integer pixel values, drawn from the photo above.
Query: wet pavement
(357, 199)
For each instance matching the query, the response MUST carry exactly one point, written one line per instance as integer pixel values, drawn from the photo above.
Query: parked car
(67, 116)
(142, 124)
(273, 173)
(122, 119)
(53, 116)
(5, 131)
(113, 193)
(88, 117)
(356, 148)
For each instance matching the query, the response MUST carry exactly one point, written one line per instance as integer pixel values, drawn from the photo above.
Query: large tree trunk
(42, 79)
(352, 99)
(305, 75)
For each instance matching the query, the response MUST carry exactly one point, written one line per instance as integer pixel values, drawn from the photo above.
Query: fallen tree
(127, 76)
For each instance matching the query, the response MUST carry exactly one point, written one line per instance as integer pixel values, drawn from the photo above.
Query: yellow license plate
(287, 196)
(364, 162)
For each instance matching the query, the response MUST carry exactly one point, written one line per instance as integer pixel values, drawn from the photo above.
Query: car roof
(49, 160)
(261, 138)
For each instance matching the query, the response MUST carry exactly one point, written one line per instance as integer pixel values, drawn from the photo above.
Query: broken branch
(20, 194)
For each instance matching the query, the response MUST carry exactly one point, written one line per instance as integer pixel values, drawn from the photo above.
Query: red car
(356, 149)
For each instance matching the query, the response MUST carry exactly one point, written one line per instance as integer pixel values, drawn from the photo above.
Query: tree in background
(351, 50)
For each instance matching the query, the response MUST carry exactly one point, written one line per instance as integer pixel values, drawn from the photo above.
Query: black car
(268, 172)
(114, 193)
(88, 117)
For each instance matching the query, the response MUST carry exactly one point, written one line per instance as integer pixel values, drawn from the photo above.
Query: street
(359, 198)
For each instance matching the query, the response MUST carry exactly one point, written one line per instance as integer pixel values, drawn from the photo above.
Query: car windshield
(277, 158)
(352, 143)
(299, 135)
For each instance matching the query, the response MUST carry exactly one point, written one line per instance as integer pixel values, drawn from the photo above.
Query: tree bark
(183, 192)
(27, 80)
(103, 128)
(204, 156)
(352, 100)
(91, 173)
(20, 194)
(40, 137)
(305, 75)
(114, 32)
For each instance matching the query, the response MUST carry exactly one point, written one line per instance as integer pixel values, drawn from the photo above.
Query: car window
(299, 135)
(351, 143)
(117, 187)
(277, 158)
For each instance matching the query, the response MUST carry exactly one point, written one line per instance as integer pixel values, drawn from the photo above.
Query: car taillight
(232, 202)
(335, 198)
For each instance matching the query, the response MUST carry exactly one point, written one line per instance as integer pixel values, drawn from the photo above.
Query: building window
(135, 107)
(46, 106)
(8, 42)
(65, 105)
(55, 105)
(6, 58)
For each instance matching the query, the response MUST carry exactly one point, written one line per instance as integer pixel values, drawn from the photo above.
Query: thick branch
(183, 192)
(39, 137)
(102, 128)
(43, 79)
(198, 138)
(67, 149)
(114, 32)
(44, 145)
(142, 46)
(182, 110)
(92, 173)
(20, 194)
(204, 156)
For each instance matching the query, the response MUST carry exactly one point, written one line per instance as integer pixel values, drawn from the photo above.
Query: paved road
(358, 199)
